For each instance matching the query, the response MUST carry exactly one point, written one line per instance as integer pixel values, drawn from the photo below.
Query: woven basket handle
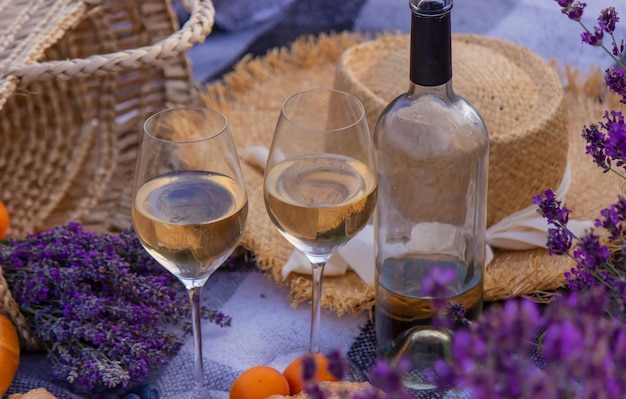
(8, 307)
(195, 30)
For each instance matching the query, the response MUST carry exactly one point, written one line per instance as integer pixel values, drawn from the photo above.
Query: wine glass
(189, 204)
(320, 182)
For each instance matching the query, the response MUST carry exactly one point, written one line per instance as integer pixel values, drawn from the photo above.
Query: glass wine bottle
(431, 150)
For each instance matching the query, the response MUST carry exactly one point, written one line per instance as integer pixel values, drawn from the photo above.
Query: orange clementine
(9, 353)
(4, 220)
(293, 372)
(259, 382)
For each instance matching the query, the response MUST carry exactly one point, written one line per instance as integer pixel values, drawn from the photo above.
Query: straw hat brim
(251, 97)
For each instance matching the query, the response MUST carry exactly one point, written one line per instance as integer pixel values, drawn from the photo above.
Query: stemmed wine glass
(320, 182)
(189, 204)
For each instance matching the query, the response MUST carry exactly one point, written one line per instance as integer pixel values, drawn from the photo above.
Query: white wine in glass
(320, 182)
(319, 201)
(189, 204)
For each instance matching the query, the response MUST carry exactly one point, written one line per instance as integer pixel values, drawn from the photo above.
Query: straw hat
(534, 126)
(519, 96)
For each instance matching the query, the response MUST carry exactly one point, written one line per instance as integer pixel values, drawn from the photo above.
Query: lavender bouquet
(100, 305)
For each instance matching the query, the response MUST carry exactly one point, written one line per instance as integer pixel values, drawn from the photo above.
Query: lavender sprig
(595, 261)
(99, 303)
(607, 21)
(606, 141)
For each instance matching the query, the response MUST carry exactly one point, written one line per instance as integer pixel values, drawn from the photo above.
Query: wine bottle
(431, 147)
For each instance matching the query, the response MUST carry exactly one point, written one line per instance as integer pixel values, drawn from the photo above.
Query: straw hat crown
(518, 94)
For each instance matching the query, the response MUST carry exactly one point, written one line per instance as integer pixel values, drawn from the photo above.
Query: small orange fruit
(293, 372)
(9, 353)
(4, 220)
(259, 382)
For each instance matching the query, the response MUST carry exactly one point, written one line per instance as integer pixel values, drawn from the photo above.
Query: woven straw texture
(78, 80)
(251, 97)
(517, 93)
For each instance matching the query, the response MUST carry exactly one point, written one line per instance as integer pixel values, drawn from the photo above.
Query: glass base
(422, 346)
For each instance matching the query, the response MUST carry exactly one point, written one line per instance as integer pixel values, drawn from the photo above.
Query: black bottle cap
(431, 42)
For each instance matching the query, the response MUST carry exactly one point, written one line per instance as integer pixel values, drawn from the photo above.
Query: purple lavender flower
(337, 364)
(489, 359)
(611, 221)
(596, 141)
(308, 368)
(513, 351)
(615, 147)
(559, 237)
(551, 208)
(98, 302)
(437, 283)
(615, 79)
(606, 141)
(573, 10)
(620, 208)
(593, 39)
(565, 3)
(590, 253)
(389, 378)
(562, 342)
(608, 19)
(559, 241)
(456, 314)
(579, 279)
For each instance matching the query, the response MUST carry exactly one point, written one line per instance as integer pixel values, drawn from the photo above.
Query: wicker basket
(78, 79)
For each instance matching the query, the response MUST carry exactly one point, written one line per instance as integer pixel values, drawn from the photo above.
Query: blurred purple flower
(389, 378)
(456, 314)
(515, 351)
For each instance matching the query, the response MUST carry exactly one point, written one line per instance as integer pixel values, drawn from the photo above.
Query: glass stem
(316, 286)
(194, 298)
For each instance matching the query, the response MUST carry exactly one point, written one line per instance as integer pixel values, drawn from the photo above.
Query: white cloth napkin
(521, 230)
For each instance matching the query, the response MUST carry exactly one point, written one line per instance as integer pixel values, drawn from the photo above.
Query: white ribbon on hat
(521, 230)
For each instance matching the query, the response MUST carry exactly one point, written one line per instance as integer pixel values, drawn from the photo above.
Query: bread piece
(335, 390)
(38, 393)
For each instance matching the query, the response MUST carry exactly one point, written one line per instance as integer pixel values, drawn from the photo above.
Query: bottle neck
(431, 43)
